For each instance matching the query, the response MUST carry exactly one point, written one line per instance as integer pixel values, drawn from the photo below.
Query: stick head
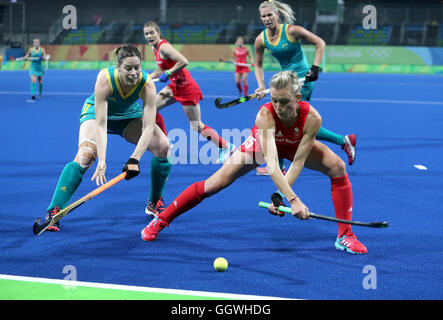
(384, 224)
(217, 102)
(36, 227)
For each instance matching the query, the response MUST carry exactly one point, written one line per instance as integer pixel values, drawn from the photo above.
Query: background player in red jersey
(285, 127)
(240, 59)
(183, 88)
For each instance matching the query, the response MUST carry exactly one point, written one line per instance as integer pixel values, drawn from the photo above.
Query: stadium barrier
(365, 59)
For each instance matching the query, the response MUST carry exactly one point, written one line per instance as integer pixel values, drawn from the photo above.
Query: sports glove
(131, 168)
(312, 74)
(277, 200)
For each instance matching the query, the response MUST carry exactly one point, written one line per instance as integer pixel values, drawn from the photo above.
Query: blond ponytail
(286, 14)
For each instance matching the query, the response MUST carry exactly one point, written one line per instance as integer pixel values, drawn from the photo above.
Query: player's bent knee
(339, 168)
(196, 126)
(87, 153)
(163, 150)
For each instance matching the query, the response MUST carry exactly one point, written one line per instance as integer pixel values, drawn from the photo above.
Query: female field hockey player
(113, 109)
(283, 40)
(240, 58)
(285, 127)
(36, 71)
(183, 88)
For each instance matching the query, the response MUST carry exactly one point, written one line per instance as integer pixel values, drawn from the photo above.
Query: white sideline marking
(70, 283)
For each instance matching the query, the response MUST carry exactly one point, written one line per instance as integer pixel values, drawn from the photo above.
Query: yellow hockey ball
(220, 264)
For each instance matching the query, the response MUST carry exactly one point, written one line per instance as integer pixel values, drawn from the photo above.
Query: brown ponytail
(126, 51)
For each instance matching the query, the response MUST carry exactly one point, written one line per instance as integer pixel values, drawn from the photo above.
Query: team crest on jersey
(296, 132)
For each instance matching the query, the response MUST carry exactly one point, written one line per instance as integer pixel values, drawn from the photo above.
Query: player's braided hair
(286, 78)
(126, 51)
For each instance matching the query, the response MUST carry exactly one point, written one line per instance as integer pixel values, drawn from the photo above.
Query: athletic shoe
(224, 154)
(150, 233)
(154, 209)
(263, 171)
(349, 147)
(350, 243)
(49, 215)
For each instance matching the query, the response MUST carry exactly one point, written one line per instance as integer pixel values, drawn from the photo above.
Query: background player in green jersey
(283, 40)
(113, 108)
(37, 54)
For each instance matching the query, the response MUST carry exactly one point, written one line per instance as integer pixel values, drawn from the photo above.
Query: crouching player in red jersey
(285, 127)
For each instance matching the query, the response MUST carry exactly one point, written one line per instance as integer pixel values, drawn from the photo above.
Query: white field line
(71, 284)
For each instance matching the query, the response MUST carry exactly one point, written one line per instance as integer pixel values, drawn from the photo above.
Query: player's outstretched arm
(148, 95)
(259, 73)
(102, 91)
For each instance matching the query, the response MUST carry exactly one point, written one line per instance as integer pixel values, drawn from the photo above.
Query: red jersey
(241, 54)
(183, 86)
(286, 139)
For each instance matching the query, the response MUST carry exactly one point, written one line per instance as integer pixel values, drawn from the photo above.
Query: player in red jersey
(240, 59)
(285, 127)
(183, 88)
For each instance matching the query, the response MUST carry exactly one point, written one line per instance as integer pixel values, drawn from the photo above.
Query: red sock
(210, 134)
(246, 89)
(239, 87)
(341, 192)
(161, 123)
(188, 199)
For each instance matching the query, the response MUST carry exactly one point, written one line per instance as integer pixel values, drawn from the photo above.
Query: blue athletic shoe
(224, 154)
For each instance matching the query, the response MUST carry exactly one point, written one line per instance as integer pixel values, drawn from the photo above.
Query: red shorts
(252, 145)
(188, 95)
(242, 69)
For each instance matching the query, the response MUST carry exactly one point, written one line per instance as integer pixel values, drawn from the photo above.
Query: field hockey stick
(318, 216)
(40, 228)
(237, 101)
(32, 58)
(237, 63)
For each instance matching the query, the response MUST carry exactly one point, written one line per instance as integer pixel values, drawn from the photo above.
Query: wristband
(292, 199)
(281, 194)
(132, 161)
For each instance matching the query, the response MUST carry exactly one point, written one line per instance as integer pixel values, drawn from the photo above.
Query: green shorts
(114, 126)
(306, 91)
(36, 70)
